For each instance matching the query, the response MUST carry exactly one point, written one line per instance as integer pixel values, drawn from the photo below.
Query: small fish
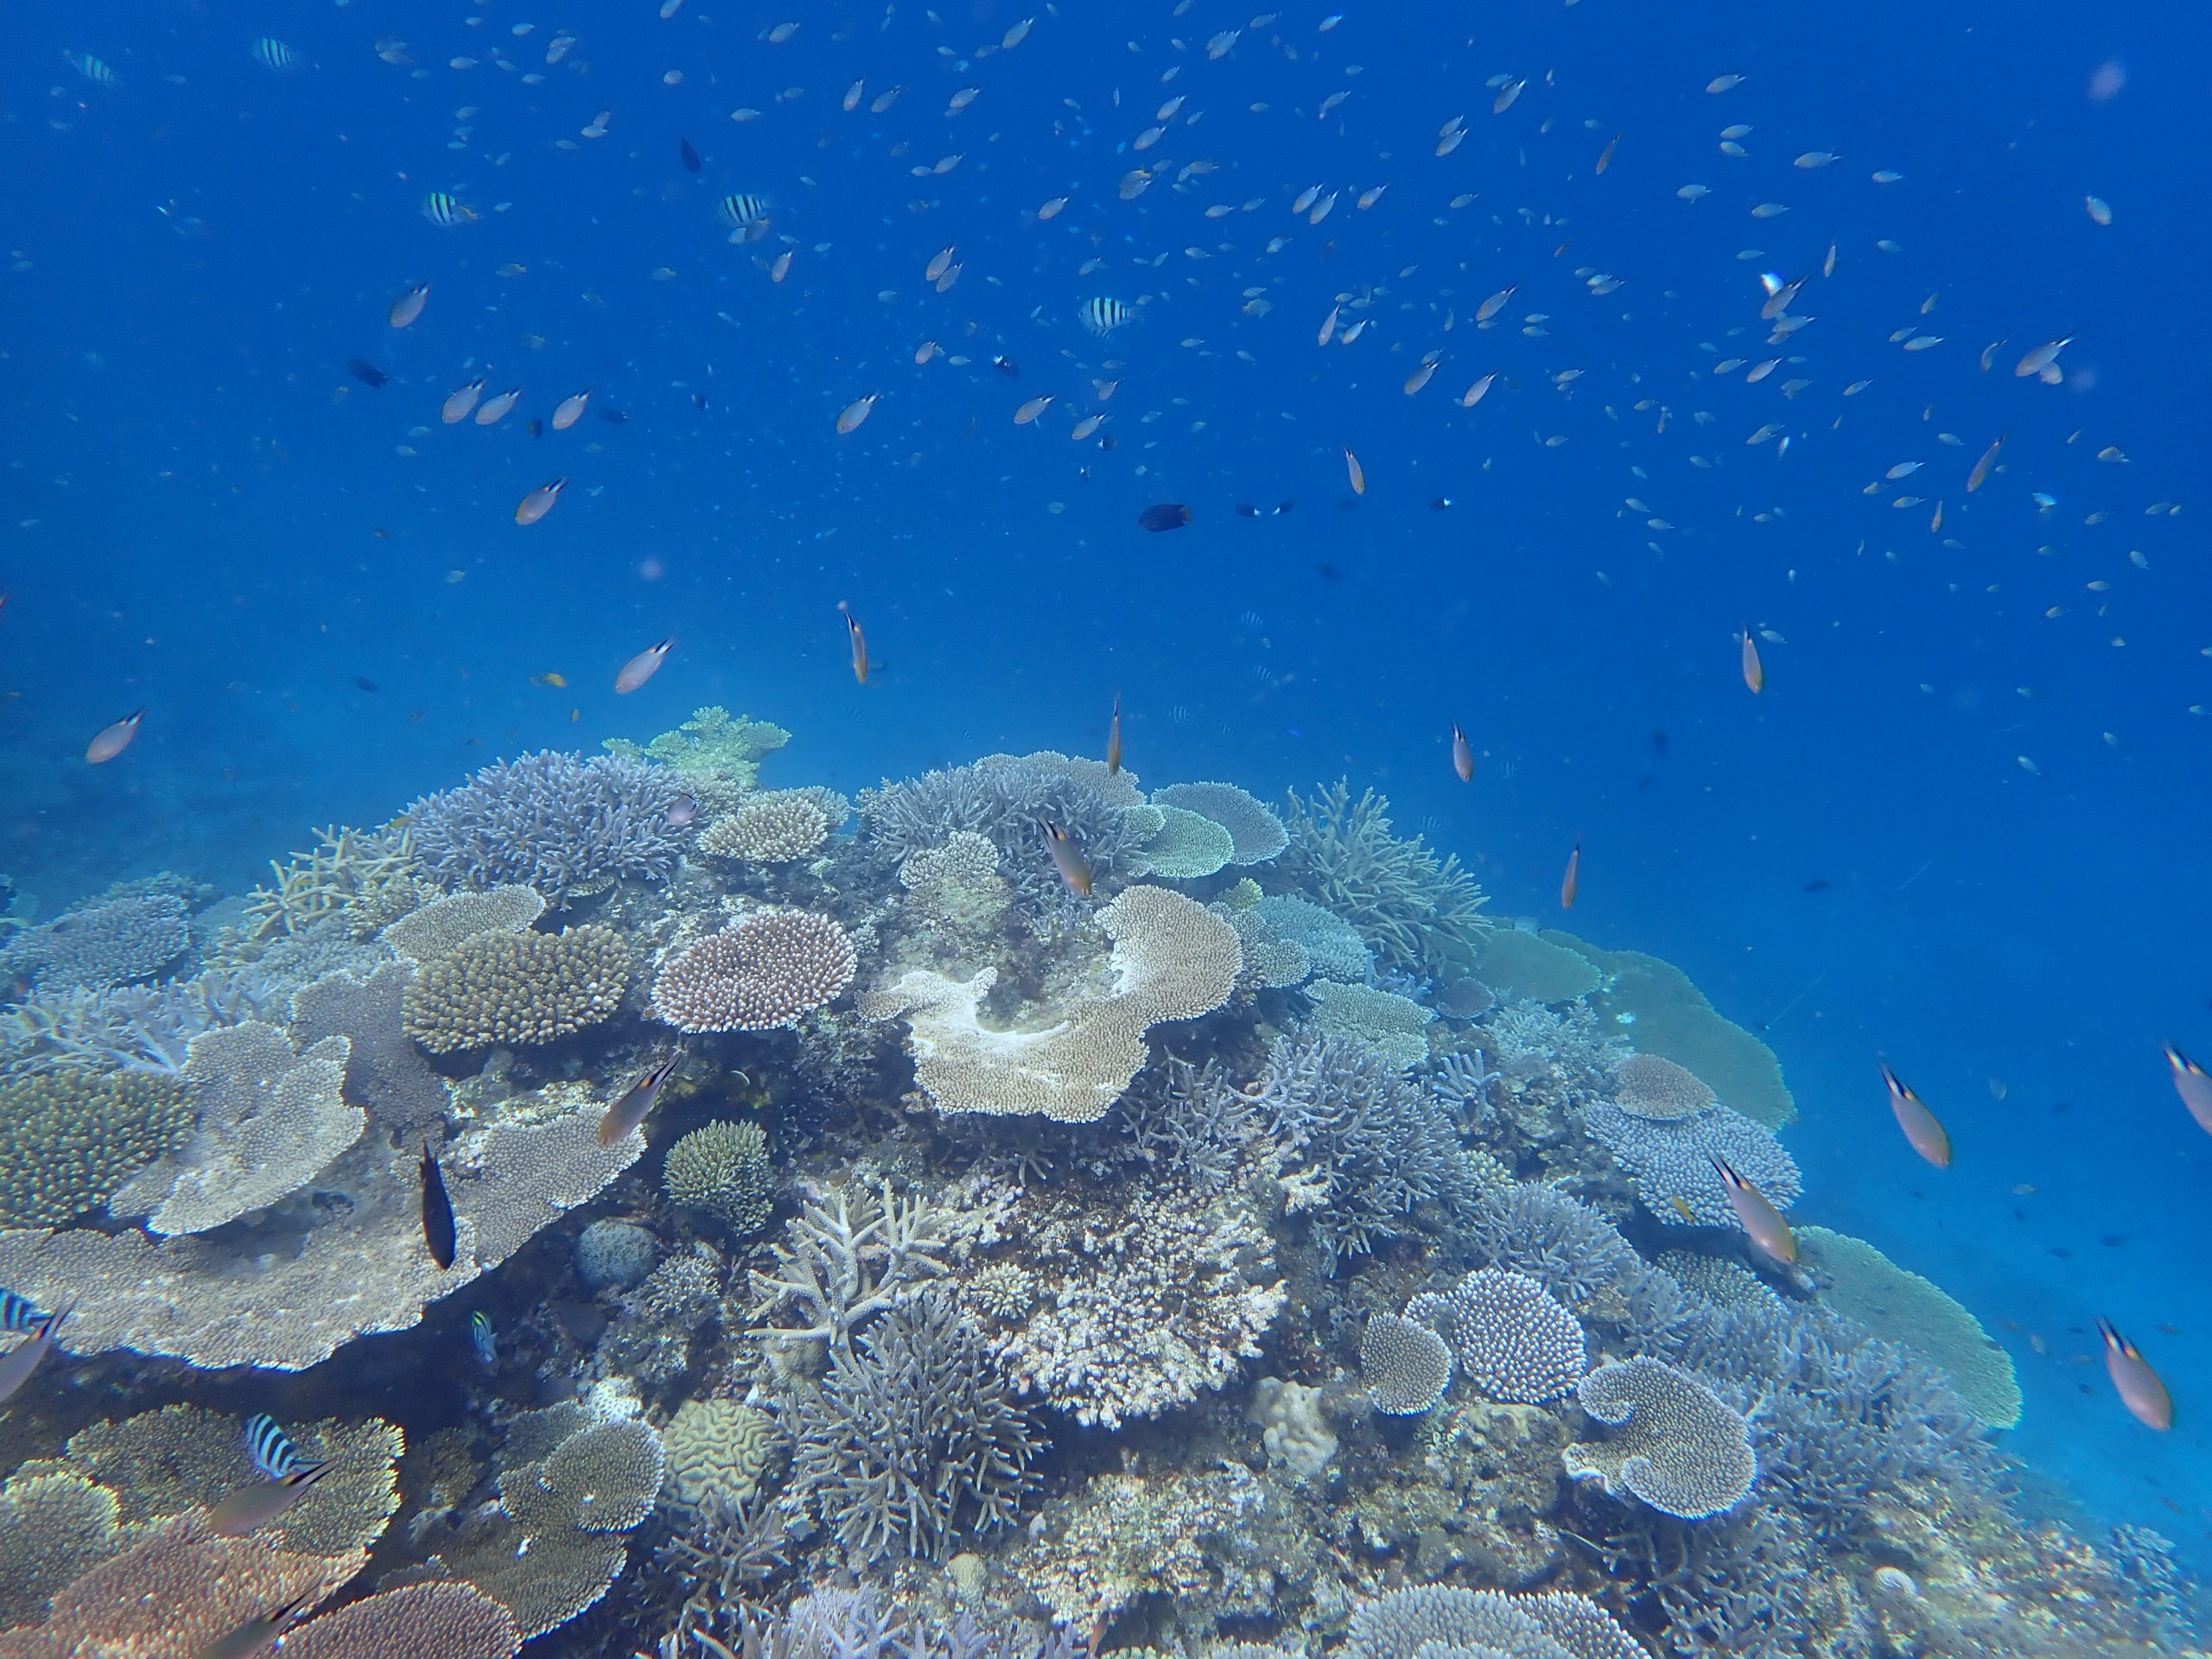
(782, 268)
(2099, 210)
(1419, 378)
(438, 1230)
(1779, 295)
(690, 156)
(1922, 1131)
(1503, 101)
(1103, 315)
(1052, 209)
(1367, 198)
(539, 502)
(1165, 515)
(1606, 156)
(2191, 1082)
(1723, 83)
(484, 1340)
(1571, 884)
(252, 1508)
(1067, 858)
(1759, 1218)
(637, 1100)
(19, 1315)
(272, 53)
(960, 99)
(24, 1358)
(91, 69)
(366, 373)
(883, 101)
(1030, 410)
(1113, 740)
(1814, 159)
(1475, 393)
(558, 681)
(924, 352)
(1754, 671)
(1356, 474)
(1980, 476)
(859, 642)
(939, 265)
(739, 210)
(459, 401)
(494, 410)
(271, 1449)
(365, 682)
(853, 413)
(1007, 366)
(1682, 1209)
(1328, 327)
(680, 812)
(1462, 754)
(111, 740)
(1496, 303)
(256, 1634)
(643, 666)
(570, 409)
(2132, 1379)
(1086, 426)
(1015, 35)
(409, 305)
(445, 210)
(2044, 357)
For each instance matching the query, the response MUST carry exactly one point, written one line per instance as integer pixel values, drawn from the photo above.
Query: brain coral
(773, 828)
(518, 988)
(1406, 1365)
(718, 1448)
(1257, 833)
(1173, 959)
(1512, 1340)
(1187, 846)
(103, 943)
(70, 1139)
(773, 967)
(722, 1169)
(556, 822)
(1645, 1085)
(1680, 1447)
(1674, 1160)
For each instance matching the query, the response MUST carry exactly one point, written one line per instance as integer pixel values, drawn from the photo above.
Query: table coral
(1256, 835)
(445, 924)
(417, 1621)
(518, 988)
(104, 943)
(1394, 1027)
(1674, 1160)
(71, 1138)
(54, 1525)
(773, 967)
(1525, 964)
(1187, 845)
(1678, 1445)
(716, 754)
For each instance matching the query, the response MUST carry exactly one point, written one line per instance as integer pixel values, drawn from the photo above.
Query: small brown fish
(2132, 1379)
(1573, 882)
(859, 641)
(1067, 858)
(1474, 394)
(1462, 754)
(643, 666)
(2193, 1085)
(256, 1634)
(539, 502)
(858, 410)
(1356, 473)
(111, 740)
(251, 1508)
(1759, 1218)
(680, 812)
(570, 409)
(1926, 1135)
(1980, 476)
(409, 305)
(637, 1100)
(1754, 671)
(16, 1366)
(1491, 306)
(1114, 740)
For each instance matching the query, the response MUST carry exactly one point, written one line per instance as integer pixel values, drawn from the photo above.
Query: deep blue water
(206, 513)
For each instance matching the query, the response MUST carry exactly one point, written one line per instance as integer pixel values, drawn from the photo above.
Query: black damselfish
(1164, 515)
(438, 1230)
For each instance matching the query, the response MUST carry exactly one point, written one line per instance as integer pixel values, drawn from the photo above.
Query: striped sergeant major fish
(741, 210)
(18, 1313)
(1103, 315)
(446, 210)
(272, 53)
(272, 1451)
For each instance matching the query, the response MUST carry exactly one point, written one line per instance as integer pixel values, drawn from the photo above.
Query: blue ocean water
(1960, 828)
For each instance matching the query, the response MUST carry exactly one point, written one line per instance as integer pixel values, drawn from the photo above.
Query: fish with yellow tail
(2193, 1085)
(1754, 669)
(1571, 884)
(1462, 754)
(18, 1364)
(1922, 1131)
(111, 740)
(256, 1634)
(1067, 858)
(859, 642)
(2138, 1386)
(1759, 1218)
(1114, 740)
(539, 502)
(643, 666)
(640, 1098)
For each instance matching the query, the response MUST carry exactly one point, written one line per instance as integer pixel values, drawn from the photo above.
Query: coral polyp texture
(773, 828)
(443, 925)
(1434, 1621)
(417, 1621)
(770, 969)
(722, 1169)
(1512, 1340)
(1645, 1085)
(518, 988)
(1673, 1159)
(557, 823)
(1172, 959)
(70, 1139)
(1255, 833)
(102, 943)
(1676, 1445)
(1407, 1366)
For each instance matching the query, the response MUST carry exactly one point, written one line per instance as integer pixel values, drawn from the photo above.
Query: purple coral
(560, 823)
(766, 971)
(1512, 1340)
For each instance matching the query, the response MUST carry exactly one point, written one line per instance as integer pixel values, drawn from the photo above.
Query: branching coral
(773, 967)
(847, 1256)
(518, 988)
(365, 877)
(131, 1028)
(1407, 1366)
(716, 754)
(1420, 912)
(722, 1169)
(70, 1140)
(561, 825)
(1673, 1159)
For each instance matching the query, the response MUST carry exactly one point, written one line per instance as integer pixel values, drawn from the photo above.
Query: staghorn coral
(1406, 1365)
(844, 1258)
(271, 1119)
(716, 754)
(362, 878)
(1185, 846)
(1511, 1339)
(1524, 964)
(719, 1449)
(1257, 833)
(1680, 1447)
(1381, 1144)
(1419, 913)
(70, 1140)
(1394, 1027)
(773, 828)
(518, 988)
(1433, 1621)
(909, 1441)
(773, 967)
(54, 1525)
(1561, 1242)
(1112, 1314)
(1645, 1085)
(1674, 1160)
(1173, 959)
(104, 943)
(1189, 1123)
(1332, 944)
(561, 825)
(417, 1621)
(722, 1169)
(721, 1553)
(166, 1463)
(1900, 1306)
(443, 925)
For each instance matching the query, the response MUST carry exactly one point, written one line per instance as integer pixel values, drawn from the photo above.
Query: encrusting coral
(1255, 833)
(518, 988)
(71, 1138)
(773, 967)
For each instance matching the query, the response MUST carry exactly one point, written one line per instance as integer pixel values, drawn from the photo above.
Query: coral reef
(563, 826)
(615, 1254)
(53, 1527)
(716, 755)
(775, 827)
(1680, 1447)
(417, 1621)
(518, 988)
(1406, 1365)
(443, 925)
(651, 1342)
(1394, 1027)
(1421, 913)
(104, 943)
(1187, 846)
(70, 1140)
(722, 1169)
(1654, 1003)
(1291, 1428)
(1332, 945)
(1509, 1338)
(129, 1027)
(1256, 834)
(773, 967)
(1645, 1085)
(719, 1449)
(1435, 1620)
(1672, 1161)
(1522, 963)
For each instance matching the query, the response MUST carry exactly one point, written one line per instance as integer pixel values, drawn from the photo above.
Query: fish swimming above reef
(643, 666)
(637, 1101)
(256, 1633)
(366, 373)
(17, 1365)
(409, 305)
(1164, 515)
(2139, 1388)
(439, 1234)
(251, 1508)
(539, 502)
(271, 1448)
(111, 740)
(1067, 859)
